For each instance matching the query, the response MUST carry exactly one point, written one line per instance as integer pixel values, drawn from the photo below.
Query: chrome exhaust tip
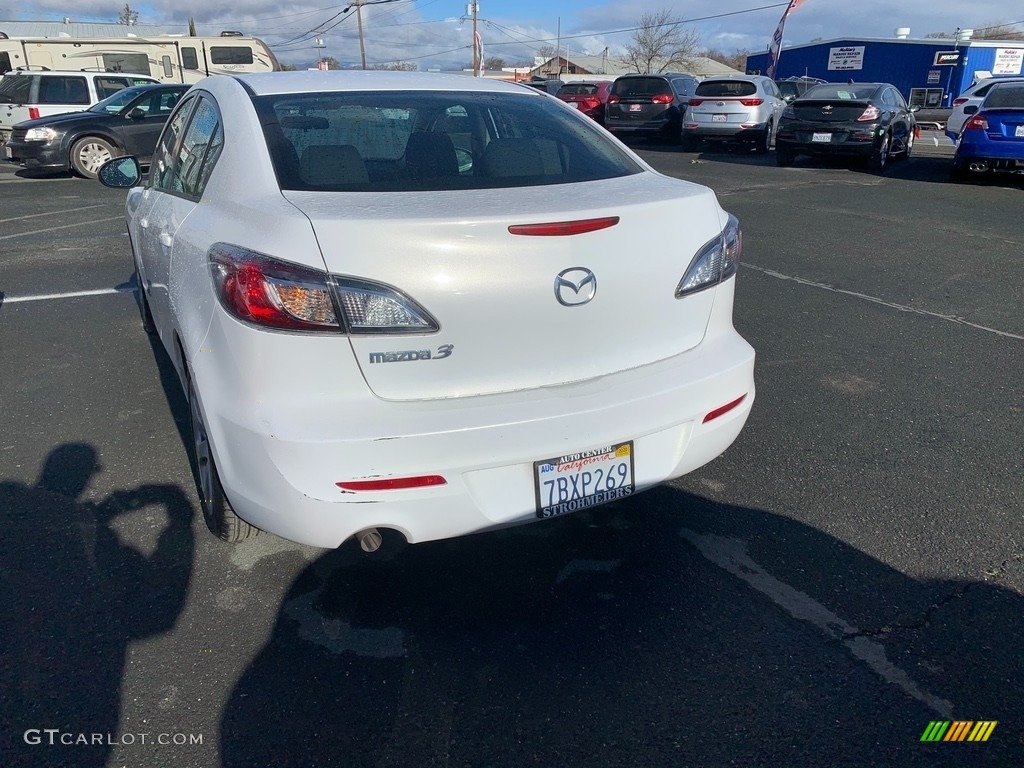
(979, 166)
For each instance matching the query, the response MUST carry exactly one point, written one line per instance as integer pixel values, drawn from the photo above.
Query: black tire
(764, 141)
(908, 150)
(88, 154)
(217, 512)
(879, 161)
(784, 157)
(689, 144)
(143, 300)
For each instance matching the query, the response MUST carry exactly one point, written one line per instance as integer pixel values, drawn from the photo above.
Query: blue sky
(430, 33)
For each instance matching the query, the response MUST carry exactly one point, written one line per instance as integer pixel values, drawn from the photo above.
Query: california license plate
(1019, 131)
(635, 107)
(719, 118)
(582, 480)
(821, 138)
(574, 105)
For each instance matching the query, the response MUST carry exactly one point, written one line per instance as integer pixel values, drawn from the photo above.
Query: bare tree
(127, 16)
(494, 63)
(660, 43)
(396, 66)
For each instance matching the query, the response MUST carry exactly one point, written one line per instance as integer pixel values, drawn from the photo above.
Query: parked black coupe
(867, 120)
(127, 123)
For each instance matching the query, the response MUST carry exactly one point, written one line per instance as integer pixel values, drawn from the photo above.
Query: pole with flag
(776, 44)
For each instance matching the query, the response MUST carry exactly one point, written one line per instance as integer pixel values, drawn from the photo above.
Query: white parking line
(891, 305)
(731, 555)
(71, 295)
(54, 213)
(62, 226)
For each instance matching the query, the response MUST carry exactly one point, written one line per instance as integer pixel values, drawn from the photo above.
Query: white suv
(972, 97)
(28, 94)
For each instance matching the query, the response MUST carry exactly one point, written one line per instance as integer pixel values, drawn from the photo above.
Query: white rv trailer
(169, 58)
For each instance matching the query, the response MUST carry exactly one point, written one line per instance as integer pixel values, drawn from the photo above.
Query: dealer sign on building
(846, 58)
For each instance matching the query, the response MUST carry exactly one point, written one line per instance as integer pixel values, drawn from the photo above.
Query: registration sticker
(582, 480)
(821, 138)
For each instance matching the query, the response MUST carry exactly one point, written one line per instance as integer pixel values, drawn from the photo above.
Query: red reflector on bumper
(391, 483)
(564, 227)
(724, 409)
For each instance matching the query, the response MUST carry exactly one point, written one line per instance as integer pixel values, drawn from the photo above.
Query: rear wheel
(880, 159)
(764, 141)
(217, 512)
(689, 143)
(88, 154)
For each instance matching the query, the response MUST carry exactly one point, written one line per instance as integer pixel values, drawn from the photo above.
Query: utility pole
(359, 23)
(473, 8)
(318, 43)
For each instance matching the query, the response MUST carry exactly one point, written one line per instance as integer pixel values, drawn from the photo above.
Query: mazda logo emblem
(575, 286)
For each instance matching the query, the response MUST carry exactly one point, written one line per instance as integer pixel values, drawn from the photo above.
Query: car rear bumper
(853, 148)
(724, 131)
(280, 460)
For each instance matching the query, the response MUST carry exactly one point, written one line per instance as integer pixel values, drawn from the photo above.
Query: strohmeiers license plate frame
(597, 469)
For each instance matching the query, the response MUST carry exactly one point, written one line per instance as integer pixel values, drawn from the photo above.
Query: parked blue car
(992, 139)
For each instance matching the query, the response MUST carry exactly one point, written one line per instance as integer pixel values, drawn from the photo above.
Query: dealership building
(930, 73)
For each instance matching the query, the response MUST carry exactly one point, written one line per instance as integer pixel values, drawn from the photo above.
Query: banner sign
(946, 58)
(846, 58)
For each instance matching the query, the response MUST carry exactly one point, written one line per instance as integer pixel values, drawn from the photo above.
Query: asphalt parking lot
(849, 572)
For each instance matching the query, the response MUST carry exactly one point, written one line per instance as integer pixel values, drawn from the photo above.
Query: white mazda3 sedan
(431, 304)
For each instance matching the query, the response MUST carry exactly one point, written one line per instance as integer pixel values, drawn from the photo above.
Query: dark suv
(649, 105)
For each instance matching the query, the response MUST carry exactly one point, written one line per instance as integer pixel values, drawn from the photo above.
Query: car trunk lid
(506, 322)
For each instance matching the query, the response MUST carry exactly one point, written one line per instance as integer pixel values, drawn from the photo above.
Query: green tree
(127, 16)
(660, 44)
(332, 63)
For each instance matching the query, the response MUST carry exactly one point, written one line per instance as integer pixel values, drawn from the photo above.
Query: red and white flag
(773, 49)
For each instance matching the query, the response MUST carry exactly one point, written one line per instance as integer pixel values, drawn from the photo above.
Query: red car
(588, 98)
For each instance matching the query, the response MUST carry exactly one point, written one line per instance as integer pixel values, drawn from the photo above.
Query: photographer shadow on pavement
(667, 630)
(73, 597)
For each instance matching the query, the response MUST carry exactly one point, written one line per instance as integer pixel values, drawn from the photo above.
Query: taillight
(716, 261)
(871, 113)
(271, 293)
(613, 99)
(561, 228)
(696, 102)
(661, 98)
(751, 102)
(591, 103)
(958, 102)
(33, 113)
(978, 122)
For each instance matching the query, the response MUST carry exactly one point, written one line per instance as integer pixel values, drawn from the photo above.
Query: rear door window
(108, 86)
(641, 86)
(63, 89)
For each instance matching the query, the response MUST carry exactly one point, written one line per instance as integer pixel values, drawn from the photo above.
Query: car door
(143, 119)
(902, 121)
(149, 222)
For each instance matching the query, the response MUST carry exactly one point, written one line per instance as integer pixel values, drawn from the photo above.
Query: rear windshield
(641, 86)
(577, 89)
(1005, 97)
(432, 140)
(841, 92)
(726, 88)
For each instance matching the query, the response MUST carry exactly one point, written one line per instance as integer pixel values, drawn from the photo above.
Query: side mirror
(789, 97)
(120, 173)
(970, 110)
(136, 114)
(916, 108)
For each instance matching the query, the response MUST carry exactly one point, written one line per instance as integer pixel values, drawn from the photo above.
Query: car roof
(274, 83)
(80, 72)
